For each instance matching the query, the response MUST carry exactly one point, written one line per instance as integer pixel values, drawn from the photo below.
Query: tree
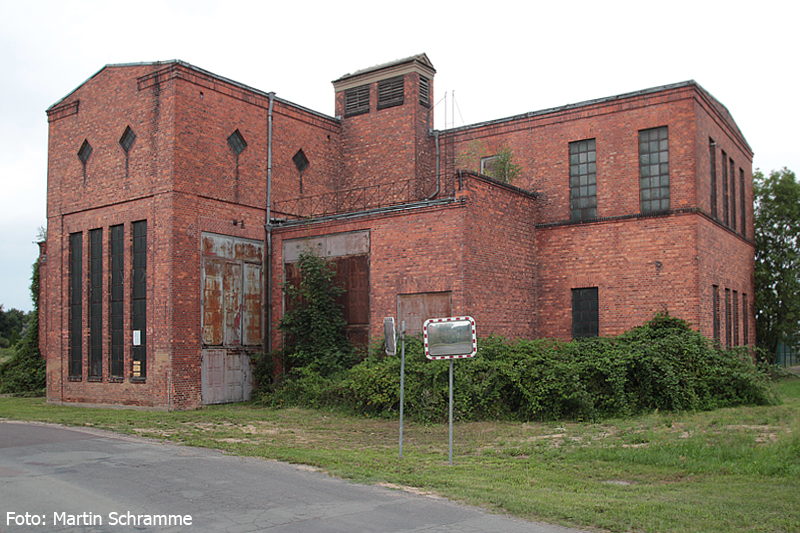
(25, 372)
(314, 321)
(777, 270)
(503, 168)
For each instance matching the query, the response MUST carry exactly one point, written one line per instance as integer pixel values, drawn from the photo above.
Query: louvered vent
(424, 91)
(356, 101)
(390, 92)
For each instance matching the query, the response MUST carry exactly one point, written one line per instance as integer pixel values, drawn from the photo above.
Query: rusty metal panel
(217, 246)
(415, 309)
(212, 302)
(247, 251)
(232, 303)
(358, 289)
(328, 246)
(252, 316)
(344, 244)
(232, 291)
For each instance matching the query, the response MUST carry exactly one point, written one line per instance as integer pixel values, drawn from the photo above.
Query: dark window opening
(742, 206)
(424, 91)
(725, 213)
(745, 322)
(712, 156)
(139, 302)
(585, 313)
(715, 312)
(390, 92)
(582, 180)
(356, 101)
(116, 301)
(735, 318)
(728, 317)
(237, 142)
(733, 195)
(96, 303)
(75, 305)
(300, 160)
(127, 139)
(85, 152)
(654, 170)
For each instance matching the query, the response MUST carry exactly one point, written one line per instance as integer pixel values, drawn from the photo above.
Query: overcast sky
(498, 58)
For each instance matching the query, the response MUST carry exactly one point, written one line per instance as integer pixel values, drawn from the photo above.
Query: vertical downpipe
(438, 175)
(268, 228)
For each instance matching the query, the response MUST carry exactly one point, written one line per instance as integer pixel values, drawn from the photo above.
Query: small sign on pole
(389, 336)
(450, 338)
(390, 342)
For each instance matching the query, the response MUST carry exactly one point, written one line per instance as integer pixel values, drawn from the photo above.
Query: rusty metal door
(212, 303)
(232, 303)
(231, 292)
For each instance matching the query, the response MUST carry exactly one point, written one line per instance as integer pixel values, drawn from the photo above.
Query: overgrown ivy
(662, 365)
(314, 323)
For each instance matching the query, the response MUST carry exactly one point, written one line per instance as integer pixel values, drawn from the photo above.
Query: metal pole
(402, 379)
(451, 413)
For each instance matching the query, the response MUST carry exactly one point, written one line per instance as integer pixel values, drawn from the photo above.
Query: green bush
(661, 365)
(24, 374)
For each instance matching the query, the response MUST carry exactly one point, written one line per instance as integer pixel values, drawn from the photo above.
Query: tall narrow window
(585, 313)
(96, 304)
(139, 302)
(390, 92)
(356, 101)
(75, 369)
(715, 312)
(735, 318)
(712, 157)
(116, 301)
(745, 321)
(654, 170)
(582, 180)
(725, 204)
(732, 176)
(728, 329)
(742, 205)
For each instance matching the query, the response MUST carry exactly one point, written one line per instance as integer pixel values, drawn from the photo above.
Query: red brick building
(179, 201)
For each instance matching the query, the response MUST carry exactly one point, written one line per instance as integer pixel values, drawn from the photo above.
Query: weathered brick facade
(165, 319)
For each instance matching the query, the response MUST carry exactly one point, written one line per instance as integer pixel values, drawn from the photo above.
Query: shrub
(314, 322)
(661, 365)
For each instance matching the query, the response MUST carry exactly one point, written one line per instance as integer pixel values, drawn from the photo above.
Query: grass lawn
(719, 471)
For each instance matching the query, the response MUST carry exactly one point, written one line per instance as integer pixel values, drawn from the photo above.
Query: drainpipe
(438, 177)
(268, 228)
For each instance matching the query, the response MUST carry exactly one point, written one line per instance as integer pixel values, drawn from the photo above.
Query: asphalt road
(57, 479)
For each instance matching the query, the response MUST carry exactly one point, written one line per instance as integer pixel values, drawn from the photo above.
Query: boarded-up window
(349, 255)
(231, 291)
(415, 309)
(351, 274)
